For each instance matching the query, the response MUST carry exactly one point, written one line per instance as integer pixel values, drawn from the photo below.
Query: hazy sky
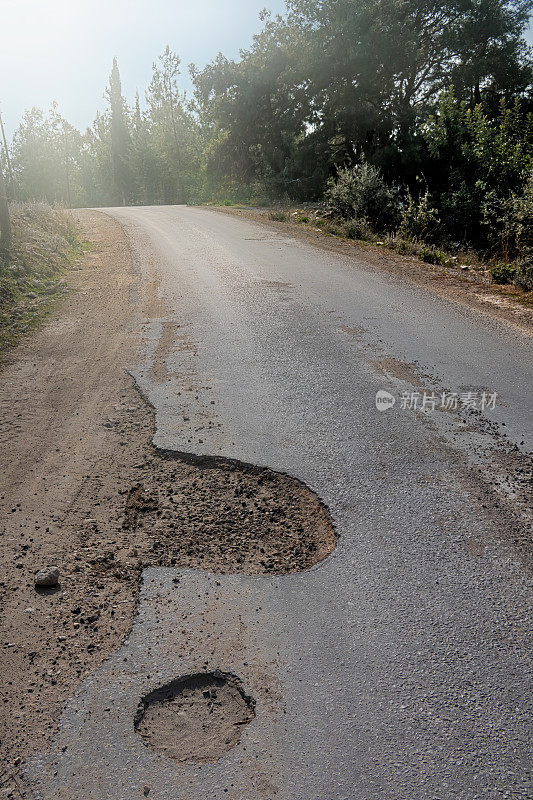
(62, 49)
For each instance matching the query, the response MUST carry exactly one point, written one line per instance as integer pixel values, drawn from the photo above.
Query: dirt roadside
(83, 488)
(499, 302)
(54, 396)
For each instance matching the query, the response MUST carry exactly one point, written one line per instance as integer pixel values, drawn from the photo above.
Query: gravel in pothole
(195, 719)
(225, 518)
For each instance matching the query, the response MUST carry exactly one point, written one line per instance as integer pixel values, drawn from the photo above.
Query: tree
(376, 68)
(173, 131)
(120, 139)
(476, 165)
(254, 110)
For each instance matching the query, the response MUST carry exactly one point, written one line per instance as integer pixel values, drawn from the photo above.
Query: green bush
(431, 255)
(503, 273)
(479, 161)
(523, 210)
(361, 193)
(420, 220)
(303, 220)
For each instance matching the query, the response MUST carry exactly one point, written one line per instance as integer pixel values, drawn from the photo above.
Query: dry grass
(46, 242)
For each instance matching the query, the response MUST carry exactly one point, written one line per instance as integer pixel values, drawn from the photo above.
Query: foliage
(358, 228)
(5, 220)
(419, 219)
(523, 214)
(503, 273)
(346, 98)
(360, 192)
(120, 140)
(524, 275)
(431, 255)
(475, 165)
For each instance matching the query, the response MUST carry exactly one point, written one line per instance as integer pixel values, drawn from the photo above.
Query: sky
(63, 49)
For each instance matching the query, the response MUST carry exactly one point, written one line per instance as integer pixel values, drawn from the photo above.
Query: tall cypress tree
(120, 139)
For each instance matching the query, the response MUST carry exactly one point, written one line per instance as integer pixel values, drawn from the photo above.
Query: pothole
(195, 719)
(225, 517)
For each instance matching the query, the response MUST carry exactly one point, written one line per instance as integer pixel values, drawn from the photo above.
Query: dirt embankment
(46, 242)
(84, 489)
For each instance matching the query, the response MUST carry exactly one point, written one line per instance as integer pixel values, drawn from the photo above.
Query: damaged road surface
(389, 659)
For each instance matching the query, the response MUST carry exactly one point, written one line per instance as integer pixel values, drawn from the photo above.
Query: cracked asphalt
(396, 668)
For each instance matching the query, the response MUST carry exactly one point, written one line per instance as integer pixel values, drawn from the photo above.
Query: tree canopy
(328, 86)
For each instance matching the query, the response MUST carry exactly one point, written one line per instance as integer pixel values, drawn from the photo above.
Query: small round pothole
(195, 719)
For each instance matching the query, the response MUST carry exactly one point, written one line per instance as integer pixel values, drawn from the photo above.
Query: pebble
(47, 577)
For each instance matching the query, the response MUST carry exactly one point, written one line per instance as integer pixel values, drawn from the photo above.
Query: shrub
(302, 220)
(431, 255)
(360, 192)
(277, 215)
(524, 275)
(420, 220)
(509, 222)
(523, 210)
(478, 161)
(503, 273)
(403, 246)
(358, 229)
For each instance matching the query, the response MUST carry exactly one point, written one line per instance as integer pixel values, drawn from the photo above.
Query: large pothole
(195, 719)
(225, 517)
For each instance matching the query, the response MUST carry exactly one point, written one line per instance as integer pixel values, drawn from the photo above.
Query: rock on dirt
(47, 578)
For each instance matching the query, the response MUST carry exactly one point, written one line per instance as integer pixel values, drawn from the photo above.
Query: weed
(277, 215)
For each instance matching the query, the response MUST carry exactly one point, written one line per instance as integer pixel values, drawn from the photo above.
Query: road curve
(399, 663)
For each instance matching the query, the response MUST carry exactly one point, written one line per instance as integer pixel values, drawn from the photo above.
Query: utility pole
(67, 171)
(5, 222)
(8, 159)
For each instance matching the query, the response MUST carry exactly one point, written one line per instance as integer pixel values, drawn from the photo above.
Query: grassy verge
(46, 242)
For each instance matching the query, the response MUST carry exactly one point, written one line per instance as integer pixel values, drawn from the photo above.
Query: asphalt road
(398, 667)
